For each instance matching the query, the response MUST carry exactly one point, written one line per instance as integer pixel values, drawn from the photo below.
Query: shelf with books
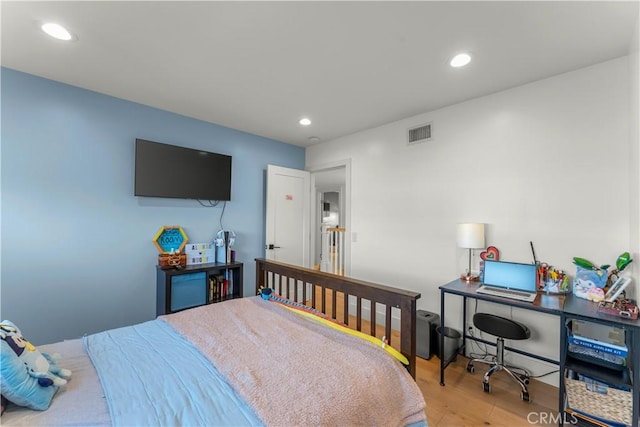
(196, 285)
(223, 285)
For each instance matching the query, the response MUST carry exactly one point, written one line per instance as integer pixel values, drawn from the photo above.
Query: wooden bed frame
(330, 294)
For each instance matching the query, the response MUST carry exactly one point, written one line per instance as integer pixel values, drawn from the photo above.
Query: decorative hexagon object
(170, 238)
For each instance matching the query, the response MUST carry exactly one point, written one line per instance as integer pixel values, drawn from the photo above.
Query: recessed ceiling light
(460, 60)
(305, 122)
(56, 31)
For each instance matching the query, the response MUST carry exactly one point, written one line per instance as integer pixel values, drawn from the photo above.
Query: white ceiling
(261, 66)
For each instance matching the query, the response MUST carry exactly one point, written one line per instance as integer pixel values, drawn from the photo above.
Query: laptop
(509, 280)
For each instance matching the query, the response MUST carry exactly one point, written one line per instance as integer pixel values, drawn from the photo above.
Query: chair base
(520, 375)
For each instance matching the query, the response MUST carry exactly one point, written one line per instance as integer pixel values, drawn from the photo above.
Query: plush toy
(587, 279)
(39, 365)
(264, 292)
(595, 294)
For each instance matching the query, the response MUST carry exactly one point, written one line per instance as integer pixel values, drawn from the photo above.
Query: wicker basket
(600, 401)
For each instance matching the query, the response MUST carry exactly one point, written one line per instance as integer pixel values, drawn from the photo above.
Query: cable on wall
(210, 203)
(224, 205)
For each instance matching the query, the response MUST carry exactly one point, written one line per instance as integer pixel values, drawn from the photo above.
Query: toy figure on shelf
(588, 277)
(590, 281)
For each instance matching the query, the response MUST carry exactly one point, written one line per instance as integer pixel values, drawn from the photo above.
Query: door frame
(271, 172)
(316, 219)
(345, 201)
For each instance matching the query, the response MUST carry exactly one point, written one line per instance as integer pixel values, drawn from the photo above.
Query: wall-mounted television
(163, 170)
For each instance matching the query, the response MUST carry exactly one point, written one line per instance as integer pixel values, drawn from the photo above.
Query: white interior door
(288, 215)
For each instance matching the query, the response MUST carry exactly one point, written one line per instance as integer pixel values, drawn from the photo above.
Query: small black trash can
(451, 342)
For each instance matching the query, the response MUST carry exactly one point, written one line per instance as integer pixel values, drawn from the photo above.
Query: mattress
(83, 394)
(191, 368)
(103, 390)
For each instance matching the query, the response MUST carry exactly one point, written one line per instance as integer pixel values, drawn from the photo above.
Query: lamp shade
(470, 235)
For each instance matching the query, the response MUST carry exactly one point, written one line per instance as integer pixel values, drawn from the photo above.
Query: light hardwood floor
(462, 402)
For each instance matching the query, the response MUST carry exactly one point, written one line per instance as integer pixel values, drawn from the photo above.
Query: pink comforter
(295, 371)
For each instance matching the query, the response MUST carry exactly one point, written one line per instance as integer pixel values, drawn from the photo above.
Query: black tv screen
(163, 170)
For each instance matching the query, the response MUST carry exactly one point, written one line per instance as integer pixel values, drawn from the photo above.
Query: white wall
(544, 162)
(634, 155)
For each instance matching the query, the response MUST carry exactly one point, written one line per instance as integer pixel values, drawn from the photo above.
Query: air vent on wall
(419, 134)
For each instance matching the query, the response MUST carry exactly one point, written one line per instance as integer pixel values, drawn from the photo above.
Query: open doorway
(330, 218)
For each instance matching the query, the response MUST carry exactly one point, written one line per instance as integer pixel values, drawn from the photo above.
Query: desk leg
(635, 345)
(441, 345)
(563, 356)
(464, 324)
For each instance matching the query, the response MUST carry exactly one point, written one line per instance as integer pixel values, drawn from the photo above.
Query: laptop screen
(510, 275)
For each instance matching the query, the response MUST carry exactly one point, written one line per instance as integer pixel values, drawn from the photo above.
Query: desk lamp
(470, 236)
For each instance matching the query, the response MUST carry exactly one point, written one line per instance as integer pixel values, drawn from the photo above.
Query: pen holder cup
(560, 286)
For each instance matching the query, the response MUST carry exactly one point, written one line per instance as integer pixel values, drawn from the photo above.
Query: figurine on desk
(591, 280)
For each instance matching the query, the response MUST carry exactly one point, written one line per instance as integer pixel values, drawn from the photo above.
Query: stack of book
(607, 355)
(599, 344)
(221, 286)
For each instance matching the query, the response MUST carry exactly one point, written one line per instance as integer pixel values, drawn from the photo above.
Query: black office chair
(502, 328)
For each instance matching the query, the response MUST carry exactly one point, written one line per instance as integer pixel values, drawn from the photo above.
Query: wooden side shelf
(195, 285)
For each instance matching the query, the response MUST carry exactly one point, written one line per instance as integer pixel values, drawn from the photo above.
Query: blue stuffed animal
(39, 365)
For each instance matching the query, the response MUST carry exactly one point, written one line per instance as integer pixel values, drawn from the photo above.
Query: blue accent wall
(77, 250)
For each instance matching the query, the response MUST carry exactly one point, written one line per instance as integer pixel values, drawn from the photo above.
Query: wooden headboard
(333, 295)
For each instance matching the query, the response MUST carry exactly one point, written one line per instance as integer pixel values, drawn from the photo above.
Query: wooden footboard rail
(332, 295)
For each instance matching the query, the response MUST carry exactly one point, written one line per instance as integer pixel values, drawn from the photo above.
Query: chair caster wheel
(525, 396)
(470, 367)
(525, 379)
(486, 387)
